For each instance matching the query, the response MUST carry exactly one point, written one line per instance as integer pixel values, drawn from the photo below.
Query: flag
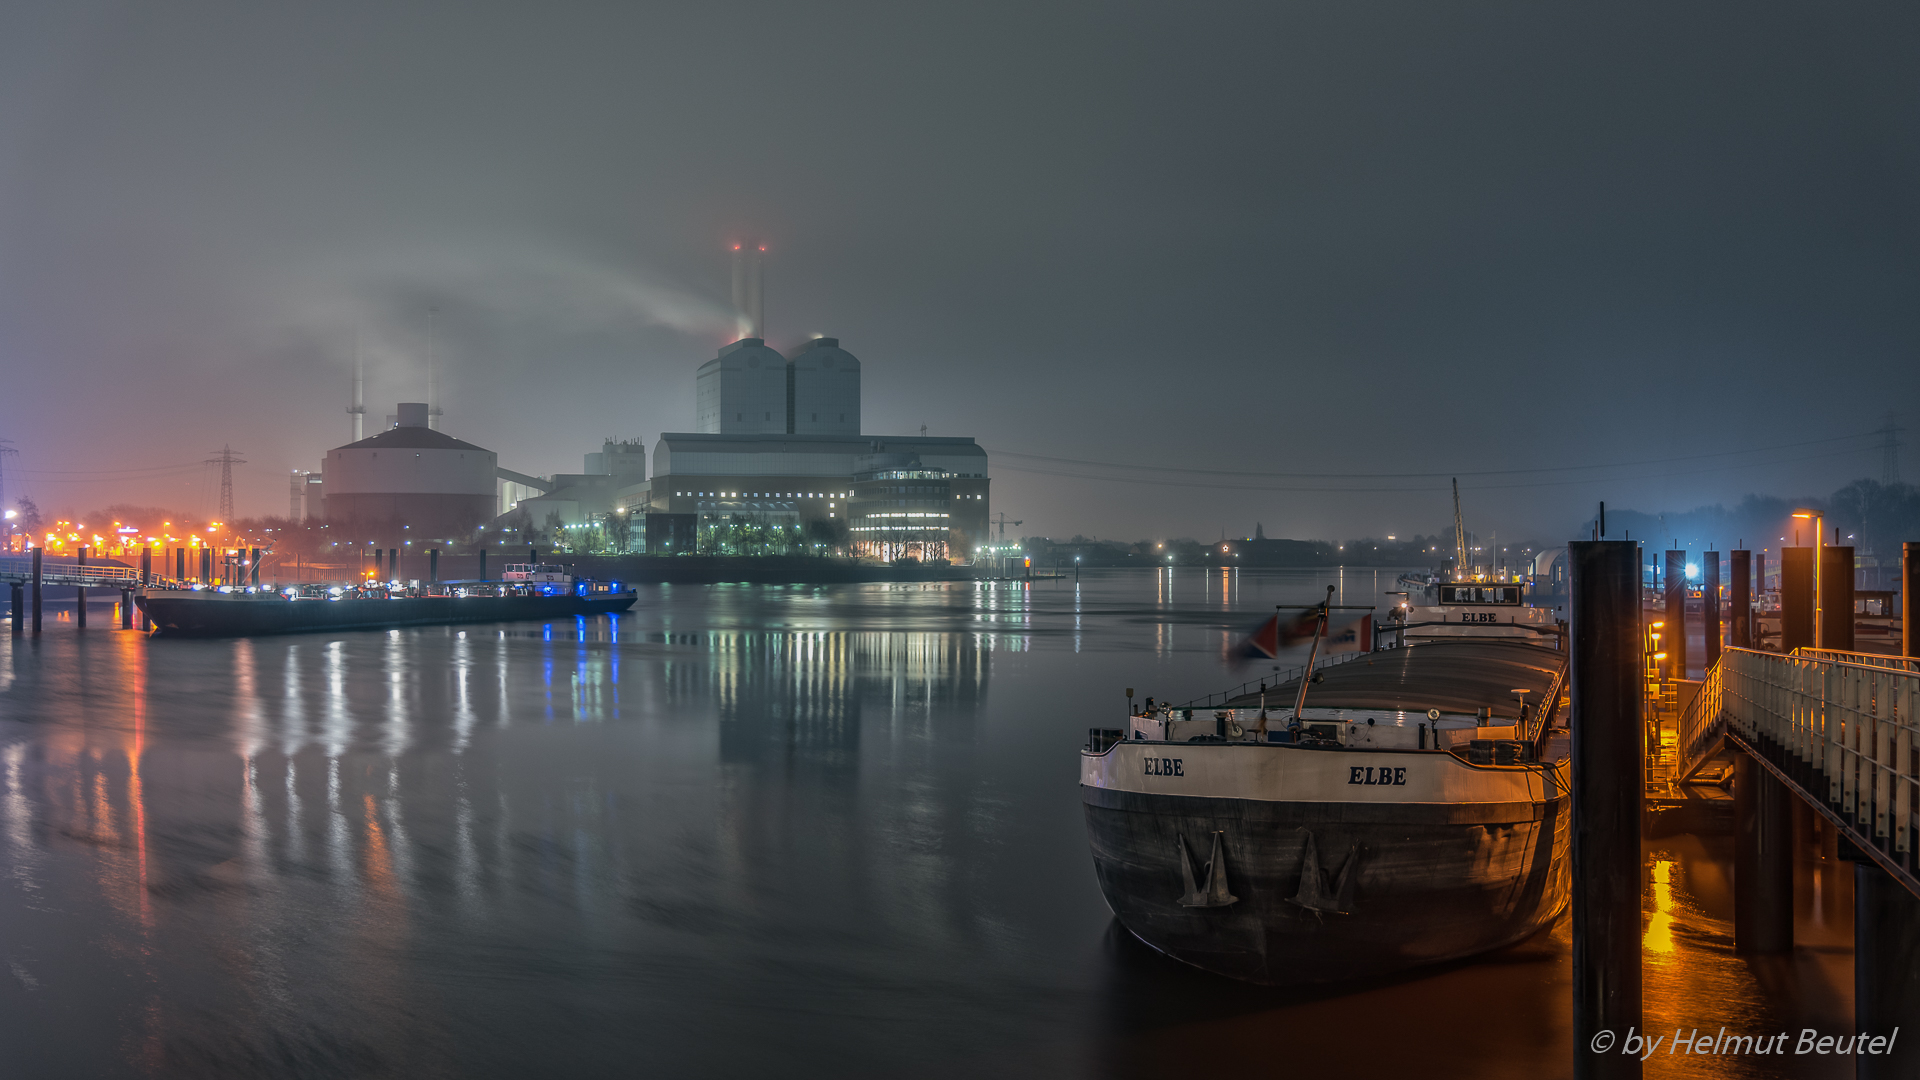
(1299, 629)
(1263, 642)
(1356, 636)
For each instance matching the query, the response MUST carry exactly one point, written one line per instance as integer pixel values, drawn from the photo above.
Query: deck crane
(1459, 537)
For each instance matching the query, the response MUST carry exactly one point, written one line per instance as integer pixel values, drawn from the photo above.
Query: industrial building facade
(779, 465)
(808, 491)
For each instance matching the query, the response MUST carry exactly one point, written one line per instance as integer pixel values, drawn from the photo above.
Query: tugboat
(529, 591)
(1380, 810)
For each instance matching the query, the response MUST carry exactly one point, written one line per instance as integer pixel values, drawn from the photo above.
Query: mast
(1459, 535)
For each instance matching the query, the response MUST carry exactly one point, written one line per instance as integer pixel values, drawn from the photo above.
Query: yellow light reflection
(1659, 936)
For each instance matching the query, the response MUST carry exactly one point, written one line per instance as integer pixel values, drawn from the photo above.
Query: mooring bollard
(19, 608)
(1604, 682)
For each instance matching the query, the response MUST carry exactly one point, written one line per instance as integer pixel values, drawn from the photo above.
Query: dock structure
(27, 576)
(1818, 723)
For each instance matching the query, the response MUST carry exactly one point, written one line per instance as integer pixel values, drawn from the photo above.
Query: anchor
(1213, 893)
(1314, 894)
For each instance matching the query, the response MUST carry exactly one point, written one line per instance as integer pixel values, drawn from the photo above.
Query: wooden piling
(1835, 603)
(37, 553)
(1673, 636)
(1604, 685)
(1740, 599)
(1762, 859)
(1910, 605)
(1710, 607)
(1886, 971)
(1796, 598)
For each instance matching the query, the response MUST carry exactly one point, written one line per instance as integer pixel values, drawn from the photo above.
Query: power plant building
(779, 455)
(411, 476)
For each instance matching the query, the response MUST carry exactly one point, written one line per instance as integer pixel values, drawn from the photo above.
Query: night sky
(1180, 268)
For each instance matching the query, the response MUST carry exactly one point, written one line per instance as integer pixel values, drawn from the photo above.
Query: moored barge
(1412, 808)
(533, 591)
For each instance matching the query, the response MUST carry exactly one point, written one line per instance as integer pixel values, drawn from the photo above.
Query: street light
(1819, 527)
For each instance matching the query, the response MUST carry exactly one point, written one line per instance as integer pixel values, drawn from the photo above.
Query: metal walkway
(1838, 729)
(66, 573)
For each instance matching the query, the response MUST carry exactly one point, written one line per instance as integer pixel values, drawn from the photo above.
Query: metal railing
(1841, 733)
(64, 573)
(1701, 730)
(1897, 663)
(1273, 682)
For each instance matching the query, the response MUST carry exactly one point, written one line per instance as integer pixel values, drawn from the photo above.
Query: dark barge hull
(1428, 883)
(247, 616)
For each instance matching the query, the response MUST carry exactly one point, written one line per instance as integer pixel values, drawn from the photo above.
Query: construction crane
(1001, 549)
(1003, 527)
(1459, 536)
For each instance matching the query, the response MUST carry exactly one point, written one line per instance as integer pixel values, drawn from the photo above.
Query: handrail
(66, 573)
(1544, 724)
(1700, 725)
(1843, 733)
(1284, 677)
(1898, 663)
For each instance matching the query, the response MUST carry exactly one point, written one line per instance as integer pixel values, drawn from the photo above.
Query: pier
(1819, 730)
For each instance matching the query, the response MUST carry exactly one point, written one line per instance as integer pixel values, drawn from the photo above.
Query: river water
(787, 831)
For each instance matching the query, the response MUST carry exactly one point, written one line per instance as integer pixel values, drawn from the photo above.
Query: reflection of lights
(1659, 937)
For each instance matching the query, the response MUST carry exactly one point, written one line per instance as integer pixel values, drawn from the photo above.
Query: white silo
(742, 391)
(826, 389)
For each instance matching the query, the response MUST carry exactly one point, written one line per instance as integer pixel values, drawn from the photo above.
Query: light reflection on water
(773, 830)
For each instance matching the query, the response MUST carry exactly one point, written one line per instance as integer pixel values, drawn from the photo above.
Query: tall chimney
(754, 295)
(740, 290)
(430, 409)
(359, 406)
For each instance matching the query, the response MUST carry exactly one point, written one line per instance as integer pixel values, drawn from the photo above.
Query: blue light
(1693, 572)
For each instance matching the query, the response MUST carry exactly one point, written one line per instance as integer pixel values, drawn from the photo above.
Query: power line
(1890, 449)
(1250, 483)
(1134, 468)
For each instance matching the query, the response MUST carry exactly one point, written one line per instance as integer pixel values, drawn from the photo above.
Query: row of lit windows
(889, 528)
(765, 494)
(902, 515)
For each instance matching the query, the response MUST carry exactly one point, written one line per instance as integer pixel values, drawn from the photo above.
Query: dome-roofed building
(434, 485)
